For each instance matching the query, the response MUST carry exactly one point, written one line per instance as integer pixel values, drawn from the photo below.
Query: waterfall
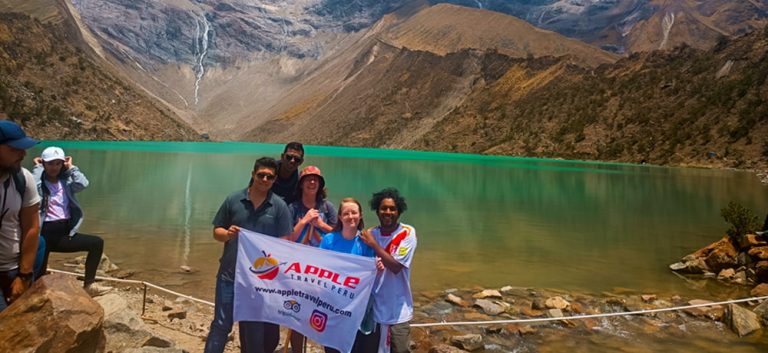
(201, 49)
(666, 27)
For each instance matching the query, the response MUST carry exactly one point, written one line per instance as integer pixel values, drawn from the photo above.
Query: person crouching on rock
(61, 215)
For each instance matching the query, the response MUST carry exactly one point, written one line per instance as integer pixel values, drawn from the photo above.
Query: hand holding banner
(320, 293)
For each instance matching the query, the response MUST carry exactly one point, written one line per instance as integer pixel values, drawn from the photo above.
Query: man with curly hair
(394, 244)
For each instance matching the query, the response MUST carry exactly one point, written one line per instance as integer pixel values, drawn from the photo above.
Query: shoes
(95, 290)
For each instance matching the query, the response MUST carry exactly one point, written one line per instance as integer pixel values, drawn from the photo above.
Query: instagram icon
(317, 320)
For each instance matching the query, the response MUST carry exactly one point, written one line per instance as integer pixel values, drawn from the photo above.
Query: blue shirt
(336, 242)
(271, 218)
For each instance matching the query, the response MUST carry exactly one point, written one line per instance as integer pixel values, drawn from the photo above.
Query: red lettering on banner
(325, 274)
(351, 282)
(335, 278)
(322, 273)
(311, 270)
(295, 267)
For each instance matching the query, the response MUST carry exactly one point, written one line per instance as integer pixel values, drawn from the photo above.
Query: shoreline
(689, 330)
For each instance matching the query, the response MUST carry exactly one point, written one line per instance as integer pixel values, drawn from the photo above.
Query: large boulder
(719, 255)
(124, 328)
(54, 315)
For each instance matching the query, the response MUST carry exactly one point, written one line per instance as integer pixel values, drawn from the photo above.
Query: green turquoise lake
(482, 221)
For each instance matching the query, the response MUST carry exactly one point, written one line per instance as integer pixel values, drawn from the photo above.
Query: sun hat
(52, 154)
(311, 170)
(11, 134)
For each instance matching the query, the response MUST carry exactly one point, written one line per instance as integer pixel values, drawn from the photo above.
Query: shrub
(743, 221)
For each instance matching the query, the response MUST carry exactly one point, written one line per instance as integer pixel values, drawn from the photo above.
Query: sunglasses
(293, 158)
(269, 176)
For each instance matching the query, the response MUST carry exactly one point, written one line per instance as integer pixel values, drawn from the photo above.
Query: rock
(648, 298)
(713, 312)
(124, 328)
(186, 269)
(444, 348)
(489, 307)
(520, 329)
(122, 274)
(759, 253)
(556, 303)
(717, 256)
(54, 315)
(177, 314)
(105, 265)
(531, 312)
(538, 304)
(507, 289)
(493, 330)
(693, 266)
(455, 300)
(761, 290)
(740, 278)
(471, 342)
(526, 330)
(488, 293)
(741, 321)
(762, 312)
(726, 274)
(761, 271)
(554, 313)
(159, 341)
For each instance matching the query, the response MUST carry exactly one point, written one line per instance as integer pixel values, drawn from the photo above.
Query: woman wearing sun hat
(61, 215)
(313, 216)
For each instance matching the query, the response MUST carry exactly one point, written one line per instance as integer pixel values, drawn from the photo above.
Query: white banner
(320, 293)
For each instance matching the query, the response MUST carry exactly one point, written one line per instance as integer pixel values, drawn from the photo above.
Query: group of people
(283, 201)
(40, 214)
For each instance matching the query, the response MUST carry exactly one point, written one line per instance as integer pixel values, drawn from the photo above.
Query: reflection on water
(485, 221)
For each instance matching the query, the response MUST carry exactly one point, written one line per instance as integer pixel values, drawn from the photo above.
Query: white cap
(52, 154)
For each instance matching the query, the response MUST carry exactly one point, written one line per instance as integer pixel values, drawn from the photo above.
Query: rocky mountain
(221, 64)
(57, 91)
(626, 26)
(444, 28)
(681, 106)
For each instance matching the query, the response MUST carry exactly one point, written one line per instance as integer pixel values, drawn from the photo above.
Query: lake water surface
(481, 220)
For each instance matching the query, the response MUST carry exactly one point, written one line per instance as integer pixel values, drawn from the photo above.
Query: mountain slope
(57, 92)
(444, 28)
(670, 107)
(627, 26)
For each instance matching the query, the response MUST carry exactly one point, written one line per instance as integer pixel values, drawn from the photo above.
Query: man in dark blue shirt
(258, 209)
(288, 172)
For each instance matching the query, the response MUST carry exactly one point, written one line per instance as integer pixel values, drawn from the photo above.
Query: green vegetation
(742, 220)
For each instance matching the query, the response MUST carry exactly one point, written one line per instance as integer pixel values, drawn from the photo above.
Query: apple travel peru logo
(266, 267)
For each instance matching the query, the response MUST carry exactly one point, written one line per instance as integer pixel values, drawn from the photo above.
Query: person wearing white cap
(19, 225)
(57, 181)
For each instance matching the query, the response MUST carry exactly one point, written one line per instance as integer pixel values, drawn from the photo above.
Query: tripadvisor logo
(266, 267)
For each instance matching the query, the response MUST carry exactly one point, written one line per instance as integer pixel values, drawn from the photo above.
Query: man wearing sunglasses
(258, 209)
(288, 172)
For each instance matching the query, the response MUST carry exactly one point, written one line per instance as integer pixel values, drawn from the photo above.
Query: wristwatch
(26, 277)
